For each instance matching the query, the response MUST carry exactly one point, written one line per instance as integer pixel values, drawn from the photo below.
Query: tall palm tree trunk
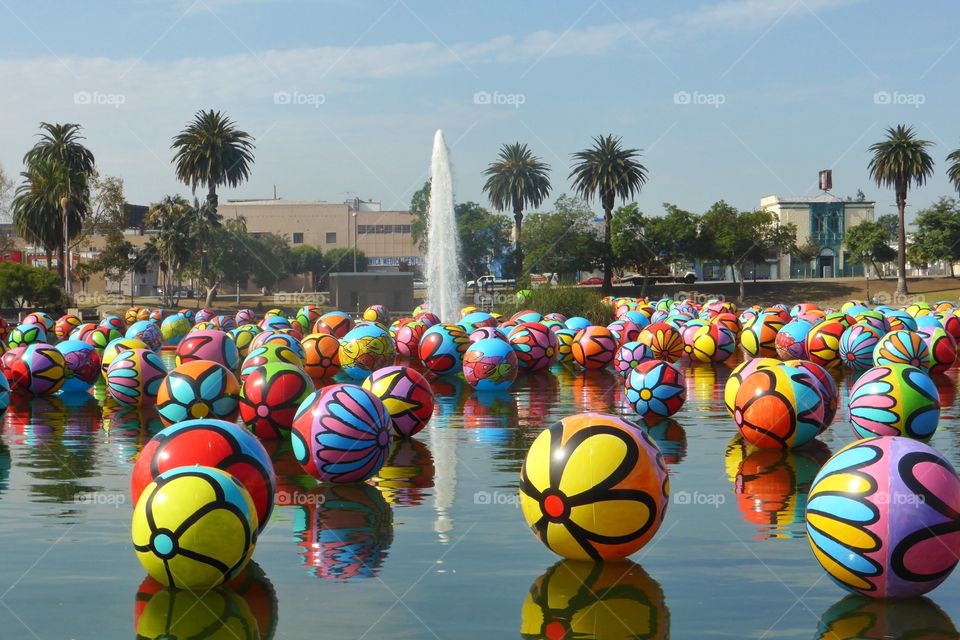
(901, 243)
(607, 252)
(517, 246)
(212, 197)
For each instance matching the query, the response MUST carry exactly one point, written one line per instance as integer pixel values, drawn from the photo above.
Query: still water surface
(437, 547)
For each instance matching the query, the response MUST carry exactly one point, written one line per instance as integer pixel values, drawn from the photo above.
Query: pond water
(437, 546)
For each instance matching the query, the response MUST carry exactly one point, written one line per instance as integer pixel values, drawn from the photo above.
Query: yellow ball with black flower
(194, 527)
(594, 487)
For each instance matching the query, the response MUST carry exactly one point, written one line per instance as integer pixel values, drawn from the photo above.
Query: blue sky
(731, 100)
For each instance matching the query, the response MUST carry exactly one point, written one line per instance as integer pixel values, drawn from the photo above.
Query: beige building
(824, 220)
(384, 236)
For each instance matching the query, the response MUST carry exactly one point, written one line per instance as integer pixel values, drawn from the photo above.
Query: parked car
(595, 281)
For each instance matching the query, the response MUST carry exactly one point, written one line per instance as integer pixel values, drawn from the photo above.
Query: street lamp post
(868, 255)
(133, 269)
(356, 242)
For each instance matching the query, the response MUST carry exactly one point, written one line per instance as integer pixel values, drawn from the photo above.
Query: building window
(331, 237)
(297, 238)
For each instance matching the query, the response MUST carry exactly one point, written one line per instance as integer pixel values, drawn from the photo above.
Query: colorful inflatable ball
(535, 345)
(629, 355)
(26, 334)
(902, 347)
(198, 389)
(594, 347)
(823, 342)
(270, 396)
(779, 408)
(758, 338)
(81, 365)
(882, 518)
(594, 487)
(365, 348)
(791, 340)
(713, 343)
(408, 338)
(134, 377)
(194, 528)
(40, 370)
(407, 396)
(655, 389)
(895, 400)
(208, 344)
(117, 346)
(942, 348)
(209, 443)
(442, 347)
(342, 433)
(665, 341)
(490, 365)
(335, 323)
(148, 332)
(857, 345)
(174, 328)
(321, 359)
(739, 374)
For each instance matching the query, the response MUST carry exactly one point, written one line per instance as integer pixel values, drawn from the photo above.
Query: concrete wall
(353, 292)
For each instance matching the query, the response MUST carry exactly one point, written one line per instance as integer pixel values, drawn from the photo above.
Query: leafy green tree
(231, 255)
(899, 161)
(6, 191)
(869, 242)
(563, 241)
(309, 259)
(23, 285)
(735, 238)
(212, 152)
(608, 171)
(114, 261)
(648, 244)
(342, 260)
(484, 237)
(67, 165)
(890, 223)
(517, 179)
(172, 246)
(270, 261)
(419, 206)
(806, 253)
(938, 233)
(205, 225)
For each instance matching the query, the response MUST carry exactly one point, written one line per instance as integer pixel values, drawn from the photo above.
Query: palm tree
(608, 171)
(61, 144)
(518, 179)
(953, 171)
(899, 161)
(171, 246)
(212, 152)
(44, 200)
